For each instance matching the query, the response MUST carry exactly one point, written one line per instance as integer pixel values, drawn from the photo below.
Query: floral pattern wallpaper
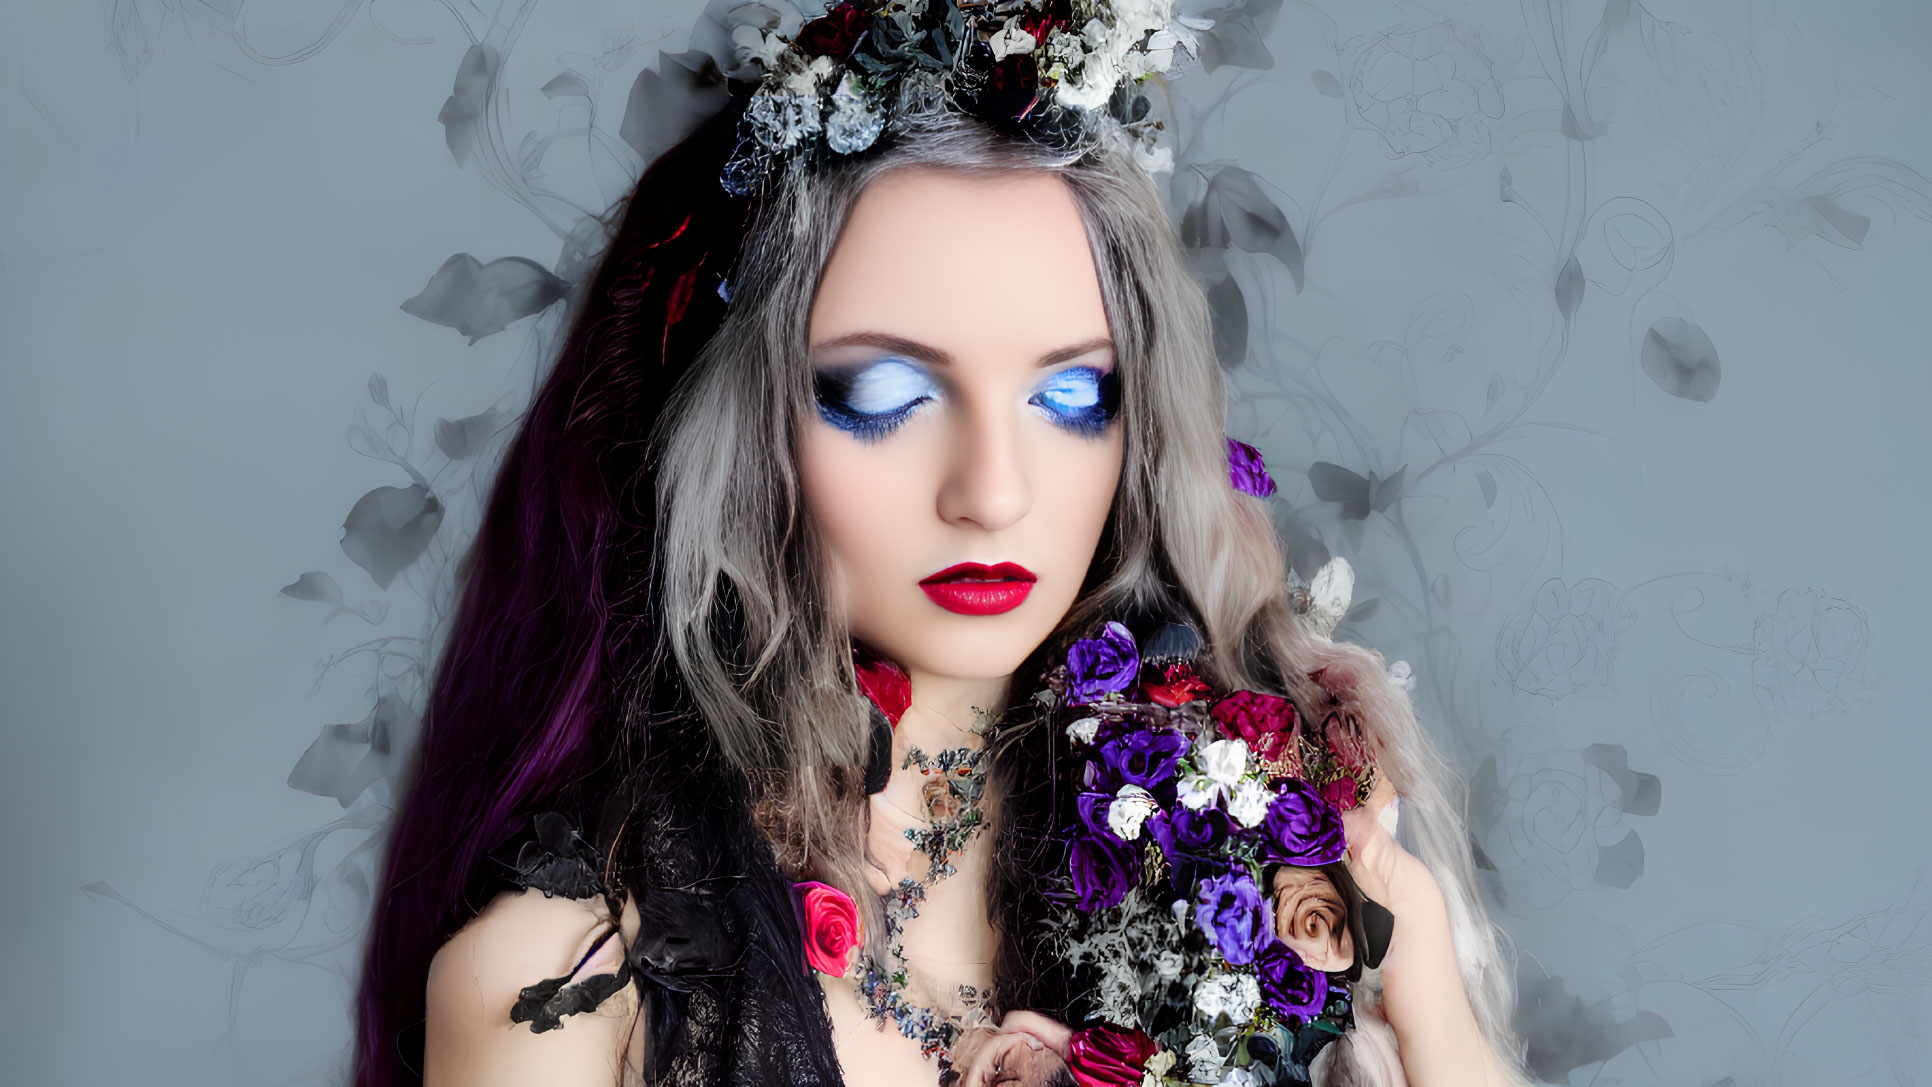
(1590, 333)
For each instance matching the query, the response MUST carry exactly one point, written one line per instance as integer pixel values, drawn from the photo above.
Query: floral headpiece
(1193, 812)
(1038, 66)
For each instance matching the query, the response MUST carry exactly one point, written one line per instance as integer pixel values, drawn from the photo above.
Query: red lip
(974, 588)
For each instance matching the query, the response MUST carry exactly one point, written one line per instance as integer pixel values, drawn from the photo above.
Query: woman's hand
(1423, 998)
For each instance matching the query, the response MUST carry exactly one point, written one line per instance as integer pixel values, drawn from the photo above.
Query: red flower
(883, 682)
(1341, 793)
(1179, 685)
(1105, 1055)
(1268, 723)
(834, 33)
(831, 927)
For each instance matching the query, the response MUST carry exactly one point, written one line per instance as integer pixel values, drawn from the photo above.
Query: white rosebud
(1179, 910)
(1168, 964)
(1131, 807)
(1250, 804)
(1224, 761)
(1010, 39)
(1084, 730)
(1197, 792)
(1158, 1064)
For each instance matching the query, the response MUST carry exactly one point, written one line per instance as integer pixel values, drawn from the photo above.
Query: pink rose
(1105, 1055)
(831, 927)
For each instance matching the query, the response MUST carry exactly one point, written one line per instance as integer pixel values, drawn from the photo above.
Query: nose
(987, 483)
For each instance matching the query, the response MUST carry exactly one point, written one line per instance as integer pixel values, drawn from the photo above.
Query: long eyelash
(830, 391)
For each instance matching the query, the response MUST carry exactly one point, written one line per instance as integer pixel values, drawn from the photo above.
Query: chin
(963, 647)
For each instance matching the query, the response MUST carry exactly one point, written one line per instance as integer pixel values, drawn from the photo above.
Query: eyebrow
(935, 356)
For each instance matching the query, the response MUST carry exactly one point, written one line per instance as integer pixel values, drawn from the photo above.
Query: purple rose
(1228, 908)
(1104, 869)
(1246, 472)
(1096, 666)
(1188, 832)
(1288, 985)
(1092, 809)
(1144, 757)
(1301, 828)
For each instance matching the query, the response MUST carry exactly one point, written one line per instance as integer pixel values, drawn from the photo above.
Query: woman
(925, 378)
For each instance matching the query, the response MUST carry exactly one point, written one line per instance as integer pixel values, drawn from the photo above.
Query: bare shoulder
(475, 979)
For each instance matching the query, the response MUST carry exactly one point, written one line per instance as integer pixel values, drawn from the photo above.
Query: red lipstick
(973, 588)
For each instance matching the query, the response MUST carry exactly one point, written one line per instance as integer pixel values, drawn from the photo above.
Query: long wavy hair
(646, 545)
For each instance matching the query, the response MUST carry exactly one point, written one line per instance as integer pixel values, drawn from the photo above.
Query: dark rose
(831, 927)
(1342, 793)
(1228, 909)
(1311, 917)
(1105, 1055)
(1188, 832)
(834, 33)
(884, 682)
(1288, 985)
(1104, 869)
(1246, 472)
(1099, 666)
(1192, 841)
(1177, 686)
(1267, 722)
(1144, 757)
(1301, 827)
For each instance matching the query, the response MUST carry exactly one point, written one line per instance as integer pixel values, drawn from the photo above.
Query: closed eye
(870, 401)
(1082, 399)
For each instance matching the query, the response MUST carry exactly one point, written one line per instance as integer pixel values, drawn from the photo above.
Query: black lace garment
(719, 958)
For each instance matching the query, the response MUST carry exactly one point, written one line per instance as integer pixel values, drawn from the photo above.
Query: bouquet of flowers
(1207, 847)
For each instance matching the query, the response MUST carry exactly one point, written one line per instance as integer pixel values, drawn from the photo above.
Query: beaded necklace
(956, 780)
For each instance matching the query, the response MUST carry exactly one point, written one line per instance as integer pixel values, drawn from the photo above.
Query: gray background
(1598, 350)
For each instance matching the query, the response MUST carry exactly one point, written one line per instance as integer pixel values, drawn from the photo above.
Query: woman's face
(965, 451)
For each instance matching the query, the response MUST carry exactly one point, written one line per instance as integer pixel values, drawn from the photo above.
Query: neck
(941, 714)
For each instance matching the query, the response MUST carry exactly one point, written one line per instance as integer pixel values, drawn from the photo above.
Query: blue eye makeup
(1083, 399)
(869, 402)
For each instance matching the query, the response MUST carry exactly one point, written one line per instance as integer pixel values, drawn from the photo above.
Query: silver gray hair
(766, 657)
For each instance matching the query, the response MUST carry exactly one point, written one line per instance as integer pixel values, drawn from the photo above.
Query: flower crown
(1041, 67)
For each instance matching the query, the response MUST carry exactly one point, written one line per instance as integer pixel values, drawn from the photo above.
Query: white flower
(1402, 675)
(1210, 1000)
(751, 44)
(1250, 804)
(1223, 761)
(1084, 730)
(1204, 1059)
(1237, 996)
(1329, 593)
(1158, 1064)
(1240, 1077)
(1155, 159)
(1131, 807)
(1010, 39)
(1197, 792)
(1244, 998)
(806, 79)
(1168, 964)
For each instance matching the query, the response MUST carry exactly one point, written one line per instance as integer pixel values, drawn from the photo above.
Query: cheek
(852, 492)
